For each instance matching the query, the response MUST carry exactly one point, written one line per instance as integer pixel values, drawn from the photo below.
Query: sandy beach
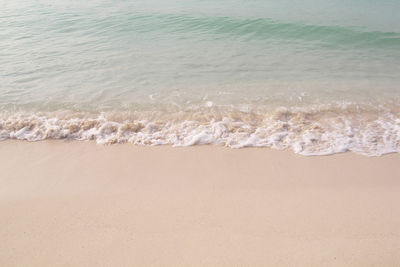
(82, 204)
(173, 133)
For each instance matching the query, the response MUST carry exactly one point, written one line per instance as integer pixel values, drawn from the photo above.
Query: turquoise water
(311, 76)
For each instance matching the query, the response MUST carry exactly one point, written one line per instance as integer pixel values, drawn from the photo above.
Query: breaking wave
(318, 132)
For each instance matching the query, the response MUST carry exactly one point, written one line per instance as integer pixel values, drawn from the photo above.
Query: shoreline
(317, 131)
(65, 141)
(79, 203)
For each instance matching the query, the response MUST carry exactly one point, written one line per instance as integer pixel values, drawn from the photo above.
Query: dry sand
(82, 204)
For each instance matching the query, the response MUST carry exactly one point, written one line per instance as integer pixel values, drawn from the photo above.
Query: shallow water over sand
(315, 77)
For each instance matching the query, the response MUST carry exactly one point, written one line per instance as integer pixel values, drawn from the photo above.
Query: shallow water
(312, 76)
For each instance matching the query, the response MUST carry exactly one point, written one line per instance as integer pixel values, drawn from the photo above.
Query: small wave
(307, 133)
(261, 29)
(237, 27)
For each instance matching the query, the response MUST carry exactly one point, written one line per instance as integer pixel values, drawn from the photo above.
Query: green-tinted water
(224, 58)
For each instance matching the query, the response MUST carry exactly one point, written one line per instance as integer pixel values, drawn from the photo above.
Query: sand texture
(82, 204)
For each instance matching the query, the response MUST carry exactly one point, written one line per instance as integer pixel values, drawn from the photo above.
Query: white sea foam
(317, 133)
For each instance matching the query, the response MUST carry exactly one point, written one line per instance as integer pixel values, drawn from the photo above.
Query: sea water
(317, 77)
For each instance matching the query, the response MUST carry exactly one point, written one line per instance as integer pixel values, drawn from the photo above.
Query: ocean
(312, 76)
